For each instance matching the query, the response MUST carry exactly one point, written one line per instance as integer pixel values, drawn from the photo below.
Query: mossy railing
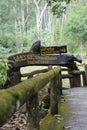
(27, 91)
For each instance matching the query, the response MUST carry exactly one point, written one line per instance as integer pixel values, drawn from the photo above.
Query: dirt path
(77, 98)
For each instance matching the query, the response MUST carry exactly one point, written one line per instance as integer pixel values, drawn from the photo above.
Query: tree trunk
(47, 19)
(15, 25)
(23, 23)
(40, 9)
(27, 15)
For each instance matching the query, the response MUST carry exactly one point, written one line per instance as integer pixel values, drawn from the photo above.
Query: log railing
(27, 91)
(74, 77)
(29, 75)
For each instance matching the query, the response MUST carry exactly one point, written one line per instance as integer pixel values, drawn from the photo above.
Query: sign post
(42, 56)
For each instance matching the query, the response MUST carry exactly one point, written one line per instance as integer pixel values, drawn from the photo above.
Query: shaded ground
(77, 98)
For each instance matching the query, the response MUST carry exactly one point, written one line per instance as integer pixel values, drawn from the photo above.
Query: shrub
(3, 70)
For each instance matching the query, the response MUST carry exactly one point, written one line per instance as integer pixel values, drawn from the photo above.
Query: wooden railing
(27, 91)
(13, 98)
(75, 77)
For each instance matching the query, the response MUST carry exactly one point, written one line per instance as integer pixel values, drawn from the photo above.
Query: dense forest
(54, 22)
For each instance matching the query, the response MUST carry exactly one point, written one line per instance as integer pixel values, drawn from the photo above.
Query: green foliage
(45, 35)
(6, 17)
(12, 37)
(3, 50)
(8, 21)
(6, 43)
(3, 70)
(75, 31)
(58, 7)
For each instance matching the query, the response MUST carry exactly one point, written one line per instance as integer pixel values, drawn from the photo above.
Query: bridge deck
(77, 98)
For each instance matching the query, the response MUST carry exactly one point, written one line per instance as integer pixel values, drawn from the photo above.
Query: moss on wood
(14, 97)
(51, 123)
(7, 106)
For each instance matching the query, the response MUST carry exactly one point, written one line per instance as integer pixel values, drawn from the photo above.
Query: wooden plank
(34, 72)
(77, 72)
(67, 76)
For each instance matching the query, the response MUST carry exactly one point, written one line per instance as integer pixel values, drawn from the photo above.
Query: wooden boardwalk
(77, 98)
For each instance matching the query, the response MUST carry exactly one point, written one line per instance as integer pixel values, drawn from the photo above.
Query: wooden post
(53, 96)
(71, 79)
(86, 73)
(14, 77)
(59, 83)
(84, 78)
(33, 113)
(75, 81)
(71, 82)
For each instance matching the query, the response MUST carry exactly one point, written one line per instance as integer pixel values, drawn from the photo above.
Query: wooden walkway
(77, 98)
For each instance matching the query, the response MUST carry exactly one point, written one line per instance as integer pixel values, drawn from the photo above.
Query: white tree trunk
(27, 3)
(47, 18)
(15, 25)
(22, 23)
(22, 15)
(40, 9)
(27, 15)
(62, 20)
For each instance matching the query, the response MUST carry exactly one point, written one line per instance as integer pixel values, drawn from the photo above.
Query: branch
(45, 6)
(36, 3)
(26, 19)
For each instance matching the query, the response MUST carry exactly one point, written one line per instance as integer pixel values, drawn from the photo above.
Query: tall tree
(15, 25)
(39, 11)
(76, 27)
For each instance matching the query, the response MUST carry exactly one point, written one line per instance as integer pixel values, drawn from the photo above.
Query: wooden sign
(38, 49)
(26, 59)
(53, 49)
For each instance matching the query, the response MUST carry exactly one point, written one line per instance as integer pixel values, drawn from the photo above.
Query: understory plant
(3, 70)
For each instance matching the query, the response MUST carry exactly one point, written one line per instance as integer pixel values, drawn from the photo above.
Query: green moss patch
(6, 106)
(50, 122)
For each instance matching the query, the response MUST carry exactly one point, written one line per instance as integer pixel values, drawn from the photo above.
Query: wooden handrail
(12, 98)
(34, 73)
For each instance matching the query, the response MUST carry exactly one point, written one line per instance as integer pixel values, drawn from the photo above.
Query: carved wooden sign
(26, 59)
(38, 49)
(53, 50)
